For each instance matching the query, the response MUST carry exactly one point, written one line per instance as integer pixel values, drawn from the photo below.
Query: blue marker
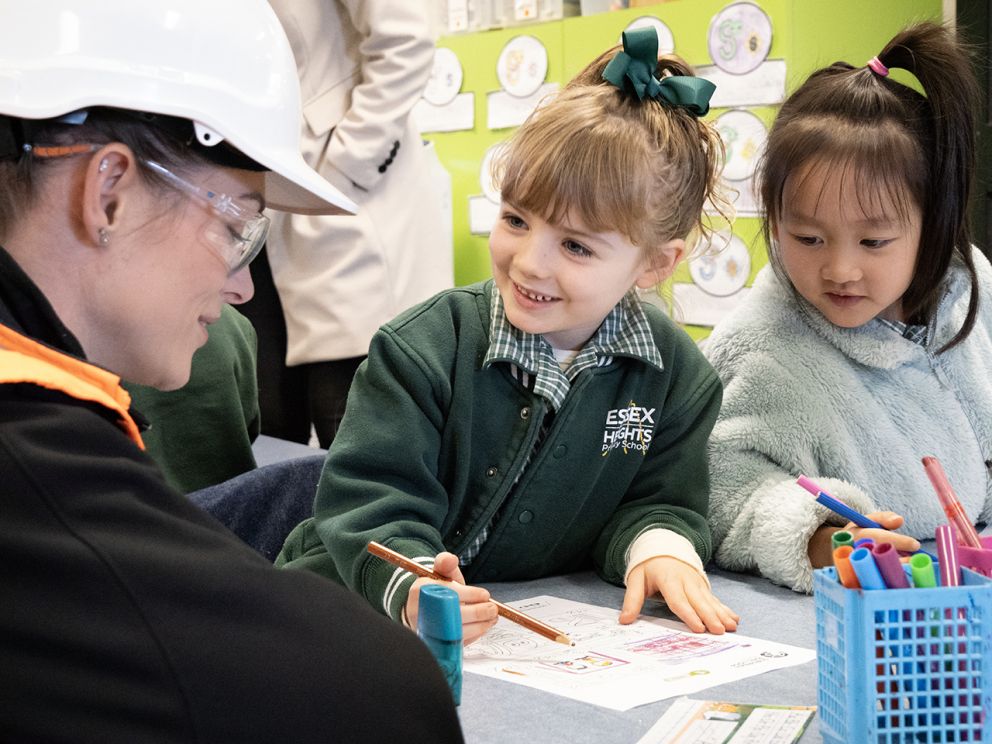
(837, 507)
(866, 569)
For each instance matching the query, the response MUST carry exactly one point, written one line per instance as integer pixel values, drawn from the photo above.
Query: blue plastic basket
(904, 665)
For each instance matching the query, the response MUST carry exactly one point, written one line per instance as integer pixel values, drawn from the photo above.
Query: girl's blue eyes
(576, 249)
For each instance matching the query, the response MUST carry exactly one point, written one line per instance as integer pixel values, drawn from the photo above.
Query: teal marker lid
(439, 613)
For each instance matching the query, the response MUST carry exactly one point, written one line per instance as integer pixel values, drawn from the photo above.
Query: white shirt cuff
(656, 543)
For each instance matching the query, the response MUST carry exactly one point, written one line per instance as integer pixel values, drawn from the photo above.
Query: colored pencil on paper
(511, 614)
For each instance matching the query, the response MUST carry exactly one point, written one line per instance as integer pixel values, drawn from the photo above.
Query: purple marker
(947, 556)
(887, 559)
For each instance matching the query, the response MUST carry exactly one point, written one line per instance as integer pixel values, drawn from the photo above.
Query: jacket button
(560, 451)
(525, 516)
(396, 146)
(525, 413)
(382, 169)
(491, 471)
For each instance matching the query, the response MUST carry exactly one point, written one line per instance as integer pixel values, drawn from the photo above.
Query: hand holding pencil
(479, 610)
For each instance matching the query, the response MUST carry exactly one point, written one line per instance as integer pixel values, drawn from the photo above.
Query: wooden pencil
(520, 618)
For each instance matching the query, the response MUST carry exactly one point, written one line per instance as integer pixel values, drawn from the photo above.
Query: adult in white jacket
(363, 64)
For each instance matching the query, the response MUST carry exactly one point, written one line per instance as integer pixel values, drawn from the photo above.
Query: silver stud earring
(103, 165)
(103, 235)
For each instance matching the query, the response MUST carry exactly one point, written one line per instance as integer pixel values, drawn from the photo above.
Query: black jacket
(127, 614)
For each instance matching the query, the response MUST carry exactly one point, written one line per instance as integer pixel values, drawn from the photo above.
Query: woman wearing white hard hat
(139, 144)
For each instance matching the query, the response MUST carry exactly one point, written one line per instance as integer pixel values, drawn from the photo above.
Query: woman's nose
(239, 288)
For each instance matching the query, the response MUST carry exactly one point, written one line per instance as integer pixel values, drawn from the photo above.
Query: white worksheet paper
(619, 666)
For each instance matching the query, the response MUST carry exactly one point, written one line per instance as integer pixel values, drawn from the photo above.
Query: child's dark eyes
(810, 240)
(875, 243)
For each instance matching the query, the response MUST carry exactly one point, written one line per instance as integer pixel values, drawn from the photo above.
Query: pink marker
(949, 501)
(947, 556)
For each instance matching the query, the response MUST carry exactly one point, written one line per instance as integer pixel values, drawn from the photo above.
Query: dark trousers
(291, 399)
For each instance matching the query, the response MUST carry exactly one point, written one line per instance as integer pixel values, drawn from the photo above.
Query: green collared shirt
(624, 332)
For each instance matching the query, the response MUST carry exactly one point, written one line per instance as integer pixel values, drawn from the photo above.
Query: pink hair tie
(876, 66)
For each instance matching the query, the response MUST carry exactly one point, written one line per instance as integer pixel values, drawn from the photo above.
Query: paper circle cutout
(446, 78)
(744, 136)
(723, 267)
(522, 66)
(666, 40)
(739, 38)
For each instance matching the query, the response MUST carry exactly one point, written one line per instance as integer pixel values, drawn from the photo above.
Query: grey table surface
(496, 711)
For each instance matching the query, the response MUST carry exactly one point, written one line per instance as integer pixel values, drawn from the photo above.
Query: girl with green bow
(546, 421)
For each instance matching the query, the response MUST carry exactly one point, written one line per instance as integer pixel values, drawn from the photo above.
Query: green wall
(807, 34)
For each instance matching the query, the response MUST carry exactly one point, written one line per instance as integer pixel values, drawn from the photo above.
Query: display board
(486, 83)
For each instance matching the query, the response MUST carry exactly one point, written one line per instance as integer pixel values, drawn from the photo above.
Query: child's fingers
(633, 598)
(889, 520)
(901, 542)
(446, 564)
(470, 595)
(477, 619)
(708, 609)
(679, 603)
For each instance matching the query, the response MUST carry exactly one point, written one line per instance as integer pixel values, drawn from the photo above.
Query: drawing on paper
(585, 664)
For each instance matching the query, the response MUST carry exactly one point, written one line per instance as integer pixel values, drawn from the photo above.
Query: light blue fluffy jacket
(855, 409)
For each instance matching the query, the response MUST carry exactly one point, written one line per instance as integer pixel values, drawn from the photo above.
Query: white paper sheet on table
(710, 722)
(619, 666)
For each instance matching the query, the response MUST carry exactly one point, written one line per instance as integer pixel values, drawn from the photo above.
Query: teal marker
(439, 625)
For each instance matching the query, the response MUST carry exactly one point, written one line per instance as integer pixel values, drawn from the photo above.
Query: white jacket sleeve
(397, 53)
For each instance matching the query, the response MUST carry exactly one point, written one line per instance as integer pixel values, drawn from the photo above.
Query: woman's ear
(108, 188)
(661, 264)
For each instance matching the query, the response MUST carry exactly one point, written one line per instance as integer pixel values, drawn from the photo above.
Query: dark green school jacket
(433, 444)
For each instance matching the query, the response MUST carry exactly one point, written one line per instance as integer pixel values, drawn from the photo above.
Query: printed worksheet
(619, 666)
(711, 722)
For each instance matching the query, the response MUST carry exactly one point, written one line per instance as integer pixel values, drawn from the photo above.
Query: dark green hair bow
(633, 69)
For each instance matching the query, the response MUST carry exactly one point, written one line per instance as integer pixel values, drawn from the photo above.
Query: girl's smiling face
(849, 255)
(561, 281)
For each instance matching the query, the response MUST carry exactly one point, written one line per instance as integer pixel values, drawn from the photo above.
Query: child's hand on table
(478, 613)
(687, 594)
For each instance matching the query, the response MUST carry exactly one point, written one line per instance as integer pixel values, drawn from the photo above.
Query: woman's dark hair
(167, 140)
(897, 143)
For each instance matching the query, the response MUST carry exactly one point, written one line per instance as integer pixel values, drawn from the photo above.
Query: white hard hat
(225, 65)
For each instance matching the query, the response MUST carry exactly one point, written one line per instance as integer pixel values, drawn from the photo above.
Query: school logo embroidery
(629, 428)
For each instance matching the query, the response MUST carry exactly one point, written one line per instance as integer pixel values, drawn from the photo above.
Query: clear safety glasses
(242, 232)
